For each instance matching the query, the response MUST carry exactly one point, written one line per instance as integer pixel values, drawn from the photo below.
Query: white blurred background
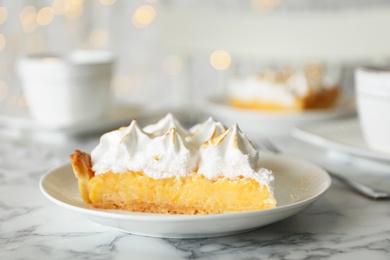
(178, 52)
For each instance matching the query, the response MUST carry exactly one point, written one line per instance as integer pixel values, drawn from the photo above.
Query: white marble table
(341, 225)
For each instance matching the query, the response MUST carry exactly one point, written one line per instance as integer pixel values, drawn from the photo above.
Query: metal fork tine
(268, 146)
(357, 186)
(261, 146)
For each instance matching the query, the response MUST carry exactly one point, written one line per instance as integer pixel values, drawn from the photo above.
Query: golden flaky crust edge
(82, 168)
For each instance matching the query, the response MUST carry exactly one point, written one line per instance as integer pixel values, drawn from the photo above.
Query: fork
(358, 187)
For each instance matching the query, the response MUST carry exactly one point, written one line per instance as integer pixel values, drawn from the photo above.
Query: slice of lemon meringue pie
(285, 89)
(165, 168)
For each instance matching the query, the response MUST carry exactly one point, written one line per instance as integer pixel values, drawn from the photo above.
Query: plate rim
(140, 216)
(117, 114)
(306, 135)
(346, 106)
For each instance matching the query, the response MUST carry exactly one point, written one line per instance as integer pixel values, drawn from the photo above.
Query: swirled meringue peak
(232, 155)
(164, 125)
(210, 151)
(169, 156)
(205, 131)
(121, 150)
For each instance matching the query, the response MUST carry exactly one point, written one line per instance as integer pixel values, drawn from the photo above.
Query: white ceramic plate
(342, 135)
(297, 184)
(257, 123)
(117, 116)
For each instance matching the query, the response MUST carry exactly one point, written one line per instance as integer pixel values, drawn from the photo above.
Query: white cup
(373, 103)
(63, 91)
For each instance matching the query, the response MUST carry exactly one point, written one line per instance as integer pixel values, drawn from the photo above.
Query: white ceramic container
(373, 103)
(62, 91)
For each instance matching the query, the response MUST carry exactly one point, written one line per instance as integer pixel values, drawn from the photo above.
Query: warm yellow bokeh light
(74, 14)
(173, 65)
(107, 2)
(45, 16)
(263, 6)
(220, 60)
(73, 4)
(144, 16)
(22, 101)
(98, 38)
(3, 14)
(28, 18)
(3, 90)
(2, 41)
(59, 7)
(28, 15)
(73, 9)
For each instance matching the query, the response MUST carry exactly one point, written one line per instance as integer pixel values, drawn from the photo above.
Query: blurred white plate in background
(342, 136)
(298, 184)
(257, 123)
(116, 116)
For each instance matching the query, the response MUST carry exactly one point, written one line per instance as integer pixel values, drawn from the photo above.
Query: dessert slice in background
(285, 89)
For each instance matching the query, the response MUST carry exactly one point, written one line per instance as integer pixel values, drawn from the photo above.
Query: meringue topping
(164, 125)
(121, 150)
(170, 156)
(210, 150)
(232, 155)
(205, 131)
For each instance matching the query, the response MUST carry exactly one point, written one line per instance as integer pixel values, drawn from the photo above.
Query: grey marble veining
(341, 225)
